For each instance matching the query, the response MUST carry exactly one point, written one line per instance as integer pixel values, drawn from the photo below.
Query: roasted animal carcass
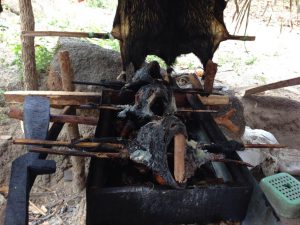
(168, 28)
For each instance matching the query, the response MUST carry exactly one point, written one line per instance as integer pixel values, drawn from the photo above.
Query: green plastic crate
(283, 192)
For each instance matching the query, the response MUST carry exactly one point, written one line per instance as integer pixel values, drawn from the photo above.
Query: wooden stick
(63, 98)
(179, 157)
(16, 113)
(37, 208)
(232, 161)
(276, 85)
(225, 121)
(65, 34)
(196, 110)
(102, 155)
(240, 38)
(67, 144)
(264, 146)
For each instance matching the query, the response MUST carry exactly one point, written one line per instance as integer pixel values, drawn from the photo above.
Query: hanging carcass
(168, 28)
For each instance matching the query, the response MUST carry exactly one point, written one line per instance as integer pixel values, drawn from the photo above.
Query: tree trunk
(28, 51)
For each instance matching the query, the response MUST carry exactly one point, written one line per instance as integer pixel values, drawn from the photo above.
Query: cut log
(276, 85)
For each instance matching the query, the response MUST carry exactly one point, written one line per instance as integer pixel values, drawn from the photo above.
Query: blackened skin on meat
(168, 28)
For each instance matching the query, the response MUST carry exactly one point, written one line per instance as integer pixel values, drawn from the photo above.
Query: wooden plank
(59, 98)
(276, 85)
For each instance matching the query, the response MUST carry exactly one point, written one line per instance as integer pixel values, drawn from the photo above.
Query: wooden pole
(240, 38)
(264, 146)
(276, 85)
(64, 98)
(78, 163)
(28, 51)
(65, 34)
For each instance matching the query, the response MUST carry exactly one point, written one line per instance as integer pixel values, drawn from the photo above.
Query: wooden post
(78, 164)
(28, 51)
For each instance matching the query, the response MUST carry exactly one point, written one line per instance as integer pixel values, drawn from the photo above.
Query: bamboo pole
(78, 163)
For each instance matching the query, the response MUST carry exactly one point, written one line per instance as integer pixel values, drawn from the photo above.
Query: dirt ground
(274, 56)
